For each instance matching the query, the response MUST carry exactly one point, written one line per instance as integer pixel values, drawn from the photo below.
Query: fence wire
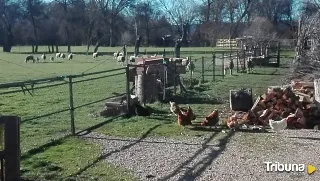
(45, 107)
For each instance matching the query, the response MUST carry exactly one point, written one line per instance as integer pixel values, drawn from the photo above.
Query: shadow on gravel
(307, 138)
(202, 165)
(104, 156)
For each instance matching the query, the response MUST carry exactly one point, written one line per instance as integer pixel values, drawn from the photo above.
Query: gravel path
(218, 156)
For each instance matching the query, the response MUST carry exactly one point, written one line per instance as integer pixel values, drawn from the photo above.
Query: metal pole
(213, 67)
(202, 70)
(237, 61)
(278, 55)
(71, 107)
(223, 65)
(175, 78)
(190, 72)
(128, 89)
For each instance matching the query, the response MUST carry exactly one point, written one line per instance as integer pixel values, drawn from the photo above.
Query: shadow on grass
(59, 141)
(104, 156)
(200, 166)
(50, 62)
(192, 98)
(207, 129)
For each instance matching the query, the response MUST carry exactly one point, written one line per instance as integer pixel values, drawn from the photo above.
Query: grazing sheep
(120, 54)
(43, 56)
(185, 61)
(95, 55)
(250, 65)
(58, 55)
(51, 58)
(70, 56)
(190, 67)
(62, 55)
(29, 57)
(120, 60)
(115, 55)
(132, 58)
(229, 67)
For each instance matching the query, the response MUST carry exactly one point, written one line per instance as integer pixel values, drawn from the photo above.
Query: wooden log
(139, 88)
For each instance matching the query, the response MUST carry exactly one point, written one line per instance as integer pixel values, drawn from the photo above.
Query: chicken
(212, 119)
(232, 122)
(185, 117)
(174, 108)
(278, 125)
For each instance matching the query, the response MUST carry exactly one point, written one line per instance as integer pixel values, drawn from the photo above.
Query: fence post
(144, 83)
(223, 64)
(128, 89)
(213, 66)
(278, 54)
(175, 78)
(71, 107)
(11, 147)
(164, 53)
(190, 72)
(244, 61)
(145, 51)
(202, 72)
(238, 61)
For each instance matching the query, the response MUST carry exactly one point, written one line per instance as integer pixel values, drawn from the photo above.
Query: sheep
(185, 61)
(115, 55)
(58, 55)
(190, 67)
(120, 60)
(120, 54)
(155, 55)
(62, 55)
(250, 65)
(37, 59)
(43, 56)
(229, 67)
(95, 55)
(178, 60)
(70, 56)
(51, 58)
(29, 57)
(132, 58)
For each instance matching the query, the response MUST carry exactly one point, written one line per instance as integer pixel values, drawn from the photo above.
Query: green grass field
(46, 162)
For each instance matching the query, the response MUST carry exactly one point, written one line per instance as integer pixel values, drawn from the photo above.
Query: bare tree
(33, 9)
(10, 12)
(182, 14)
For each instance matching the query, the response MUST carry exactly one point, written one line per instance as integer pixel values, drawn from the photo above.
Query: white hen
(278, 125)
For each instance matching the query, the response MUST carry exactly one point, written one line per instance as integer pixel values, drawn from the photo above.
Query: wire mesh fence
(55, 107)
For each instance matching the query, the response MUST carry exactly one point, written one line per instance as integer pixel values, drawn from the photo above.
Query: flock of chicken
(186, 116)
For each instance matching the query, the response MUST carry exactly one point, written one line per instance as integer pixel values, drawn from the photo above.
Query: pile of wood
(295, 102)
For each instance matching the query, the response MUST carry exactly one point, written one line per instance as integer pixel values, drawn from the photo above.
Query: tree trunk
(184, 34)
(208, 10)
(32, 46)
(57, 49)
(88, 48)
(8, 43)
(111, 31)
(52, 48)
(49, 51)
(34, 28)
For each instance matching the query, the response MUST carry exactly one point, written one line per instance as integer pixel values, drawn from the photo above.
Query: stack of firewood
(295, 102)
